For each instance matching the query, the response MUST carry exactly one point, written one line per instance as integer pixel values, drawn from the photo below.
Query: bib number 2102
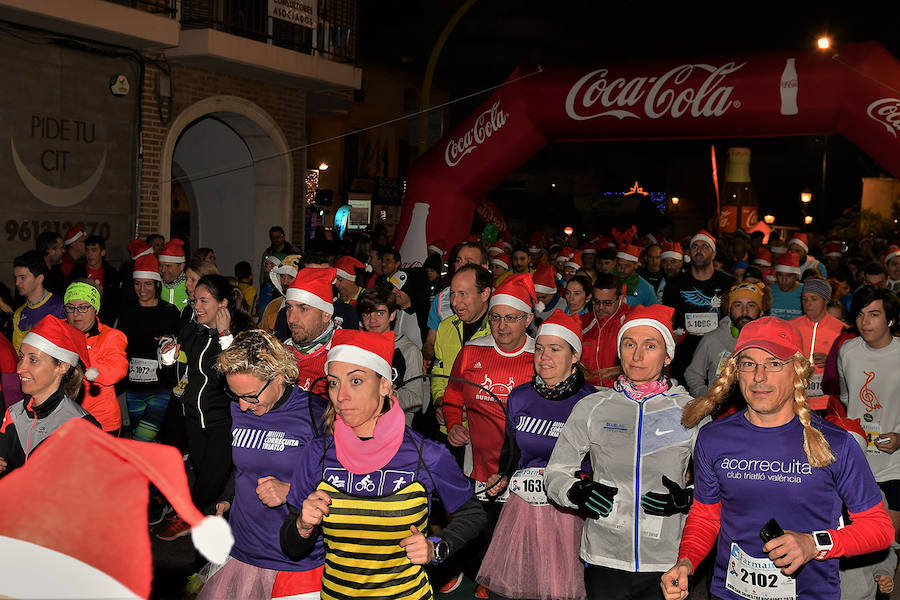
(759, 579)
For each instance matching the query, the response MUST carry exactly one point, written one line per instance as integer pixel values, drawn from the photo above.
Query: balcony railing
(158, 7)
(334, 35)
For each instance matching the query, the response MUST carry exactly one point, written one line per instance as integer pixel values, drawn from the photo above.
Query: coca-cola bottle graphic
(789, 88)
(739, 206)
(414, 249)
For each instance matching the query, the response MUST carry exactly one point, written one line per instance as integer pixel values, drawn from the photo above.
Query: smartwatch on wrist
(824, 543)
(441, 549)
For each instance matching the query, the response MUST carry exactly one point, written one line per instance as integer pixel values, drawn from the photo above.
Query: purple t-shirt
(539, 421)
(261, 446)
(760, 473)
(437, 471)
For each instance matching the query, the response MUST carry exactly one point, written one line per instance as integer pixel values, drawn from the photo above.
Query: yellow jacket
(447, 345)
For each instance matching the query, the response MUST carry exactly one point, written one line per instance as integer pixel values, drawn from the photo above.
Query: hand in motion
(678, 500)
(595, 498)
(223, 319)
(315, 508)
(890, 444)
(791, 551)
(271, 491)
(495, 490)
(419, 549)
(222, 507)
(675, 581)
(458, 435)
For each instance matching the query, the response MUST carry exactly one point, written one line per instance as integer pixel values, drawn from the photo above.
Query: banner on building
(299, 12)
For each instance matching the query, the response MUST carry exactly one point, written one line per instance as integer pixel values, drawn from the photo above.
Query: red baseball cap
(776, 336)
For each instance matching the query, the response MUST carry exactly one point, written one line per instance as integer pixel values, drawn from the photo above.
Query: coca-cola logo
(655, 97)
(887, 112)
(486, 124)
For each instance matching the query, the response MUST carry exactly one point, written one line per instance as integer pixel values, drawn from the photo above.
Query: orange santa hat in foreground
(73, 520)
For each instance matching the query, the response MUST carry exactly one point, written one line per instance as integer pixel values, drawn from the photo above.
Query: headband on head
(83, 291)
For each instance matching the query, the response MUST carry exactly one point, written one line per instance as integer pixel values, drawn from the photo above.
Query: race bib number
(528, 484)
(723, 360)
(700, 323)
(757, 578)
(815, 386)
(178, 390)
(873, 432)
(143, 370)
(481, 493)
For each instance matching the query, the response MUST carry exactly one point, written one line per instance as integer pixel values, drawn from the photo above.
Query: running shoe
(482, 592)
(174, 528)
(451, 585)
(157, 511)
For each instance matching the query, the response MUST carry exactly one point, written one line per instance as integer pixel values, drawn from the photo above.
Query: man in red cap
(672, 261)
(799, 245)
(697, 296)
(774, 471)
(171, 269)
(74, 241)
(638, 291)
(310, 311)
(610, 310)
(892, 266)
(347, 269)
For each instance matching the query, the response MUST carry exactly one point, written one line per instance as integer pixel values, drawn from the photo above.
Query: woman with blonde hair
(770, 481)
(366, 488)
(272, 421)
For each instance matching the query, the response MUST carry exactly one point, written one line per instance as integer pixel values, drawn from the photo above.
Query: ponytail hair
(818, 451)
(221, 289)
(72, 381)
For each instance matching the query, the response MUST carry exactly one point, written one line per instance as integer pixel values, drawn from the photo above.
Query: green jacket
(447, 345)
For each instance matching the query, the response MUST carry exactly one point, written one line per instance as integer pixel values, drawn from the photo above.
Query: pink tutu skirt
(237, 579)
(534, 553)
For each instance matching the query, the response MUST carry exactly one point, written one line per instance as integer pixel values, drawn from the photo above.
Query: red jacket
(107, 354)
(599, 344)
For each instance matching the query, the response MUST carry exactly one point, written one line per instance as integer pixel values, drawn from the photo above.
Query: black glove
(593, 498)
(678, 500)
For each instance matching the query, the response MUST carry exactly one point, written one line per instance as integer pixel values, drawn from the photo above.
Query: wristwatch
(824, 543)
(441, 549)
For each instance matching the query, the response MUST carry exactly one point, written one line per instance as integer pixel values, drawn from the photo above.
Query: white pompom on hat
(54, 336)
(93, 525)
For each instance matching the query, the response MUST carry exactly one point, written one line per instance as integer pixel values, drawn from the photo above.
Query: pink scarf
(643, 390)
(365, 456)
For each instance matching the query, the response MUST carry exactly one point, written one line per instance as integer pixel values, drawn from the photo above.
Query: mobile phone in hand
(771, 531)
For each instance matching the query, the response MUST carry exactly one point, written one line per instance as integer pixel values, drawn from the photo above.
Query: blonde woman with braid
(774, 460)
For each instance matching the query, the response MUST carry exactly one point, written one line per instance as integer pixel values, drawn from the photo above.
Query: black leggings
(210, 451)
(603, 583)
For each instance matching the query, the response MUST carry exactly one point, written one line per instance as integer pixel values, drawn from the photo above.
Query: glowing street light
(807, 219)
(806, 196)
(824, 42)
(675, 200)
(568, 231)
(323, 166)
(769, 219)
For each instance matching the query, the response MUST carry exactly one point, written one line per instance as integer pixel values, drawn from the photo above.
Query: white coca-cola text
(887, 112)
(484, 127)
(659, 96)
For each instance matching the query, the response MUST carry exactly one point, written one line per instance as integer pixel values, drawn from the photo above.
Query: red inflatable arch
(851, 93)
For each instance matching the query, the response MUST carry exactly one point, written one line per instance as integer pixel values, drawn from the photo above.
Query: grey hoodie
(709, 358)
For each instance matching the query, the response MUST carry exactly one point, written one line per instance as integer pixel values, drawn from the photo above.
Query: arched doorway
(229, 165)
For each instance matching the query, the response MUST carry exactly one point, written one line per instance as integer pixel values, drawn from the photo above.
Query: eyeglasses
(606, 303)
(745, 365)
(81, 309)
(508, 319)
(248, 398)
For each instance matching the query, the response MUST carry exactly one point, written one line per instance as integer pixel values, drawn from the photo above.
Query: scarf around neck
(365, 456)
(561, 390)
(642, 391)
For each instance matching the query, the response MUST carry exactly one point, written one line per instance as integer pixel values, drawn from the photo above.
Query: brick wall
(285, 105)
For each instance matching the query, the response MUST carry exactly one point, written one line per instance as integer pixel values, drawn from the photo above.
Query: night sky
(495, 36)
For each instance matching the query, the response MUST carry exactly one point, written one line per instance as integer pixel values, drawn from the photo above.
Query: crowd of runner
(604, 415)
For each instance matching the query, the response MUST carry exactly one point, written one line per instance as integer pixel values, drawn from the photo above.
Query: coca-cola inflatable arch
(851, 93)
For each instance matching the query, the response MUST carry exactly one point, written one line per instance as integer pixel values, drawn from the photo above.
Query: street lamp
(806, 196)
(323, 166)
(769, 219)
(568, 231)
(807, 219)
(824, 42)
(675, 200)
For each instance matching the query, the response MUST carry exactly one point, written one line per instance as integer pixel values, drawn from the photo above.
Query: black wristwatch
(441, 549)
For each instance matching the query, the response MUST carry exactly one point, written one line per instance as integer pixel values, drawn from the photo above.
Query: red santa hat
(799, 238)
(507, 246)
(73, 521)
(892, 252)
(788, 262)
(852, 426)
(657, 316)
(589, 248)
(534, 249)
(574, 260)
(563, 255)
(672, 250)
(346, 267)
(629, 252)
(313, 288)
(54, 336)
(437, 247)
(567, 327)
(172, 252)
(704, 236)
(501, 259)
(364, 348)
(146, 267)
(73, 234)
(544, 278)
(495, 248)
(835, 249)
(139, 248)
(777, 249)
(517, 291)
(606, 242)
(763, 258)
